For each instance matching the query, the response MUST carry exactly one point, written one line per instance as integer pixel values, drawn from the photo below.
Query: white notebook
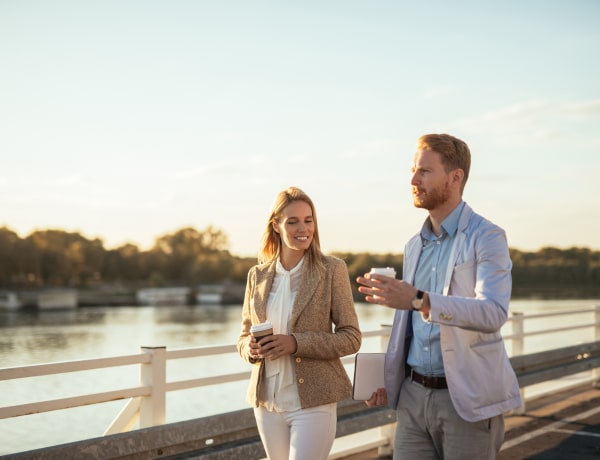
(368, 375)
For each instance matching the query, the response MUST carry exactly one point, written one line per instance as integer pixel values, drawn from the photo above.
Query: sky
(127, 120)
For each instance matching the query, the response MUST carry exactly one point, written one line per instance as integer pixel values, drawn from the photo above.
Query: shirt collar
(279, 267)
(449, 225)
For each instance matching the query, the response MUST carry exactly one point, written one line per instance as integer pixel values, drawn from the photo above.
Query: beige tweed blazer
(325, 326)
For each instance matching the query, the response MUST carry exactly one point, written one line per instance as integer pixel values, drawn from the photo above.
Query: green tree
(193, 256)
(9, 265)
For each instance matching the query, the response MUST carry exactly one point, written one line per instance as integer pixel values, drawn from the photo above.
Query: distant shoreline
(233, 294)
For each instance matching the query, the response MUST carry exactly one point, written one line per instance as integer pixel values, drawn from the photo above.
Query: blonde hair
(455, 154)
(270, 247)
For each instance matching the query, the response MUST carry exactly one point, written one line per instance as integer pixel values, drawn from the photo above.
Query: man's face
(430, 182)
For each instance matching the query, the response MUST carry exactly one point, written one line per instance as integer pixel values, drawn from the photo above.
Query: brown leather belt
(437, 383)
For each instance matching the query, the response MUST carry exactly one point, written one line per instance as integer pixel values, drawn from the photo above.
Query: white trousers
(305, 434)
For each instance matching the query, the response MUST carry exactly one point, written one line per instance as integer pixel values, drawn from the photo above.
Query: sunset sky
(126, 120)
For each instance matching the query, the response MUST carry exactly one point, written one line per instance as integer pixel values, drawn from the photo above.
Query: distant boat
(57, 299)
(163, 296)
(203, 298)
(9, 300)
(210, 294)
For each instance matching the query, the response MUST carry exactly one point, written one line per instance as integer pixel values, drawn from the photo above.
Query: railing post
(386, 431)
(154, 375)
(596, 371)
(518, 347)
(518, 333)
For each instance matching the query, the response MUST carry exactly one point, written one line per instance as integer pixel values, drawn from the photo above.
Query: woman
(297, 376)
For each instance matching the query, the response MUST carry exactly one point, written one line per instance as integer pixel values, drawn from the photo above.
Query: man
(446, 369)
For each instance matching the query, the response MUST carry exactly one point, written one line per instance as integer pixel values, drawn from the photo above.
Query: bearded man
(447, 373)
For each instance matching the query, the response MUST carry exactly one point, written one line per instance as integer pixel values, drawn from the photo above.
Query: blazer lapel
(264, 281)
(457, 247)
(308, 285)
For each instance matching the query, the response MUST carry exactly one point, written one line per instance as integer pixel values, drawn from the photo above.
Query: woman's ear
(275, 229)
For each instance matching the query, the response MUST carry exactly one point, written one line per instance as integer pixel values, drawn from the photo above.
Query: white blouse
(280, 391)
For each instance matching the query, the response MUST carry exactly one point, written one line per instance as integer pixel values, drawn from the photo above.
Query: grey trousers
(428, 428)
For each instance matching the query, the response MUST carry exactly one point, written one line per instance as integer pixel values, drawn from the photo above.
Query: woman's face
(296, 226)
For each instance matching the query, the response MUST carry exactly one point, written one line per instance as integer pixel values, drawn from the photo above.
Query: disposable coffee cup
(385, 271)
(261, 330)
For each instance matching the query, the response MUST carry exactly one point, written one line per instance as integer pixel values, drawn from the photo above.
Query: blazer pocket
(468, 265)
(463, 278)
(488, 346)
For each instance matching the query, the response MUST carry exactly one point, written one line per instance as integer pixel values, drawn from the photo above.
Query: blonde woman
(297, 376)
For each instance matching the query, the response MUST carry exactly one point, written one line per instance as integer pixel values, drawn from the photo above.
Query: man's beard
(433, 198)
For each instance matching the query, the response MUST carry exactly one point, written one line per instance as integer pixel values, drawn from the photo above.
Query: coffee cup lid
(261, 327)
(383, 270)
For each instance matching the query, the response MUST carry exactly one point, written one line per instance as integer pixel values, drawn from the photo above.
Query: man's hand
(378, 398)
(387, 291)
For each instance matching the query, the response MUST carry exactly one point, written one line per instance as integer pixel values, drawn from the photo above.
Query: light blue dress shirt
(425, 353)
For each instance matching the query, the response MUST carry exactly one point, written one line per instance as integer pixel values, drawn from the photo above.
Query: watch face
(417, 304)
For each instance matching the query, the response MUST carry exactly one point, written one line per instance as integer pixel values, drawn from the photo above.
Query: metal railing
(146, 402)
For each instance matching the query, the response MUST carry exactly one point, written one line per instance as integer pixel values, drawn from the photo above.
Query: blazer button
(298, 360)
(300, 380)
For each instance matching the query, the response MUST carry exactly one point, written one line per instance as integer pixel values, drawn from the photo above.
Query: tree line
(192, 257)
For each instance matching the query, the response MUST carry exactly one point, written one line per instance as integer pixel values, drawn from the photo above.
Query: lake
(33, 337)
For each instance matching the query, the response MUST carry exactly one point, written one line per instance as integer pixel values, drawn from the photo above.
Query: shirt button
(298, 360)
(300, 380)
(426, 349)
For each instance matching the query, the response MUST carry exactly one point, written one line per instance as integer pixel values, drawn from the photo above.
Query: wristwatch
(417, 302)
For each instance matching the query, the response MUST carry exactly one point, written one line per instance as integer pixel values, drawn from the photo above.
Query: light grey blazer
(470, 312)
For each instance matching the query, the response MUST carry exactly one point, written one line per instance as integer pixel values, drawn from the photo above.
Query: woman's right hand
(253, 348)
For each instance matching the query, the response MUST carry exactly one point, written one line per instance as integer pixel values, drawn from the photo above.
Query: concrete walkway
(565, 425)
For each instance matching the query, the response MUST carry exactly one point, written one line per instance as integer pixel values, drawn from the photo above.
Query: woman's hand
(276, 346)
(378, 398)
(253, 348)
